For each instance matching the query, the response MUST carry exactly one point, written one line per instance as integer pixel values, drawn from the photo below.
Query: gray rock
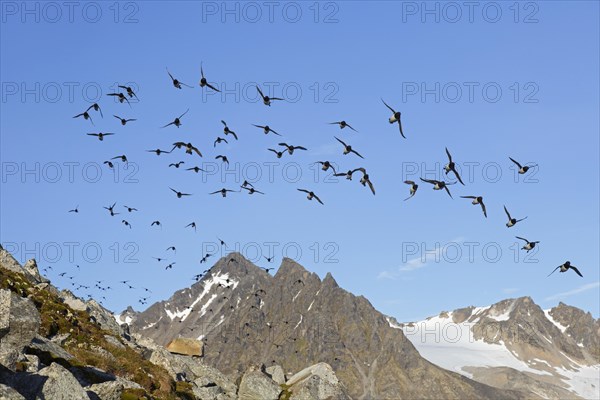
(72, 301)
(19, 322)
(33, 363)
(255, 385)
(103, 317)
(8, 393)
(111, 390)
(316, 382)
(60, 385)
(114, 341)
(8, 262)
(47, 349)
(277, 374)
(32, 268)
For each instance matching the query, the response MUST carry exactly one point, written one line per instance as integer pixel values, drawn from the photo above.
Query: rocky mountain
(514, 344)
(56, 346)
(245, 316)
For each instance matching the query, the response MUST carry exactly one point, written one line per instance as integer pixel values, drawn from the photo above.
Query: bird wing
(518, 237)
(433, 182)
(507, 213)
(449, 156)
(197, 151)
(318, 199)
(448, 191)
(336, 138)
(371, 186)
(351, 128)
(356, 152)
(213, 88)
(93, 134)
(469, 197)
(391, 109)
(186, 111)
(234, 135)
(483, 208)
(300, 148)
(409, 182)
(400, 126)
(553, 271)
(576, 271)
(518, 165)
(260, 92)
(458, 176)
(304, 190)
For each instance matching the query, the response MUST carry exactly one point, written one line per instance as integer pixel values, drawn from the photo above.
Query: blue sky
(524, 86)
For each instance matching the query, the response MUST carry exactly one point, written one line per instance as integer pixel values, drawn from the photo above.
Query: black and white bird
(451, 166)
(278, 153)
(158, 152)
(100, 135)
(179, 194)
(124, 121)
(129, 91)
(310, 195)
(196, 169)
(251, 190)
(439, 185)
(189, 148)
(365, 179)
(177, 164)
(191, 225)
(228, 131)
(120, 96)
(395, 118)
(347, 148)
(223, 159)
(325, 165)
(565, 267)
(523, 168)
(86, 116)
(177, 121)
(266, 99)
(204, 82)
(528, 245)
(223, 192)
(111, 210)
(477, 200)
(75, 210)
(176, 82)
(291, 148)
(266, 129)
(413, 188)
(96, 107)
(219, 140)
(511, 221)
(343, 124)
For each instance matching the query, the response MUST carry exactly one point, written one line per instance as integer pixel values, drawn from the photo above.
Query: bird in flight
(365, 179)
(179, 194)
(75, 210)
(100, 135)
(565, 267)
(266, 129)
(124, 121)
(122, 157)
(347, 148)
(451, 166)
(170, 266)
(528, 245)
(290, 148)
(439, 185)
(158, 152)
(310, 195)
(172, 248)
(129, 91)
(251, 190)
(110, 164)
(223, 158)
(325, 165)
(224, 192)
(195, 169)
(177, 121)
(219, 140)
(266, 99)
(177, 164)
(395, 118)
(347, 174)
(96, 107)
(130, 209)
(511, 221)
(157, 223)
(177, 83)
(191, 225)
(413, 188)
(111, 209)
(120, 96)
(85, 115)
(126, 223)
(228, 131)
(278, 153)
(477, 200)
(189, 148)
(343, 124)
(523, 168)
(204, 82)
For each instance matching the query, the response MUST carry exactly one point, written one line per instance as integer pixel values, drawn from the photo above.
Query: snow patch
(557, 324)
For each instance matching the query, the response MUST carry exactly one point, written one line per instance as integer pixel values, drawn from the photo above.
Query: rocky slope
(514, 344)
(245, 316)
(54, 345)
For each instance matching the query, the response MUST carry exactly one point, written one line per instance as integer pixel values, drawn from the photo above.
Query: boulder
(186, 347)
(47, 350)
(60, 385)
(32, 269)
(276, 373)
(19, 323)
(111, 390)
(8, 393)
(317, 382)
(256, 385)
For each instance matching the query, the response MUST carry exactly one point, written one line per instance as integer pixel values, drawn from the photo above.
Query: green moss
(285, 392)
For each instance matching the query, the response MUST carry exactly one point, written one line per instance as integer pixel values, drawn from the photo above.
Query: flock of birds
(280, 150)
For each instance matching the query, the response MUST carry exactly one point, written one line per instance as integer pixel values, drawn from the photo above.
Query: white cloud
(578, 290)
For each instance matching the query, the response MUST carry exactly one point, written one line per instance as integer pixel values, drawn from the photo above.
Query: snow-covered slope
(512, 338)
